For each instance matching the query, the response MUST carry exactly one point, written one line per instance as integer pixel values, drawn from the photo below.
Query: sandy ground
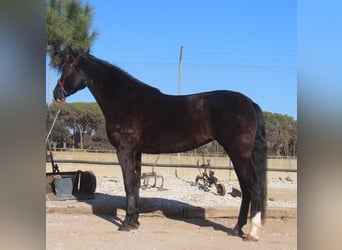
(70, 226)
(89, 231)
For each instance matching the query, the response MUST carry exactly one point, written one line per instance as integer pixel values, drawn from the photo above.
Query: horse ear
(70, 51)
(72, 55)
(87, 51)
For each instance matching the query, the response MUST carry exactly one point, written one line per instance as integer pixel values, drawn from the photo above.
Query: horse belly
(178, 124)
(175, 137)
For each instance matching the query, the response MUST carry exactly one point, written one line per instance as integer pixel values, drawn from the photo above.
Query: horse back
(180, 123)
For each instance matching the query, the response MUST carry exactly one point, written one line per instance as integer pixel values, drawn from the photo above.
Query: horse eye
(65, 66)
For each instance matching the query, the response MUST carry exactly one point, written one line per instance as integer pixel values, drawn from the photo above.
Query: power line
(227, 65)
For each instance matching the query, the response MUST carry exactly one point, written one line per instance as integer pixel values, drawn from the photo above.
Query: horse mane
(119, 71)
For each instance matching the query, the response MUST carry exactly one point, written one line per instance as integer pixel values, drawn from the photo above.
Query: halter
(61, 82)
(73, 64)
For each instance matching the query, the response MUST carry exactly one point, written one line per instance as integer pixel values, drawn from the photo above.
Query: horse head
(72, 78)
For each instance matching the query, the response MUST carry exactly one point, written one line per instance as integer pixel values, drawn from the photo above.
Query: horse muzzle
(59, 94)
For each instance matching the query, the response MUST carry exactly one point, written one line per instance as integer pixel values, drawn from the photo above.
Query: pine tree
(67, 26)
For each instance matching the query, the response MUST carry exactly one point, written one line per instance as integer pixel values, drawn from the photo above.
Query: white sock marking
(256, 224)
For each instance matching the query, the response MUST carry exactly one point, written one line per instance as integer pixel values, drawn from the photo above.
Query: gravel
(183, 192)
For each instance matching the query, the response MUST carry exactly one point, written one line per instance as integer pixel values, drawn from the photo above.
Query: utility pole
(179, 88)
(180, 71)
(48, 101)
(49, 88)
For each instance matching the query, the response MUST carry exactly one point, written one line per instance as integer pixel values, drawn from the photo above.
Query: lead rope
(53, 124)
(55, 168)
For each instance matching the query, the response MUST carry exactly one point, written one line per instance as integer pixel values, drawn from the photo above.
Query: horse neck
(110, 85)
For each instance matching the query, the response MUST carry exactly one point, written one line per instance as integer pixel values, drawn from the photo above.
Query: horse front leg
(130, 163)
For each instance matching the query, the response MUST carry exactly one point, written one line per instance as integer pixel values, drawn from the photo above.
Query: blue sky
(245, 46)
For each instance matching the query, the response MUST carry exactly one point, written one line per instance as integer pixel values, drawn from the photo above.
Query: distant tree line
(82, 126)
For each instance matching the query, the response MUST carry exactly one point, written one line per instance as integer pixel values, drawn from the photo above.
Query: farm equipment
(206, 180)
(146, 177)
(70, 184)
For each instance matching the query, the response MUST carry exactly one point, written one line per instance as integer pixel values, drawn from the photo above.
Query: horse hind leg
(251, 193)
(244, 208)
(130, 163)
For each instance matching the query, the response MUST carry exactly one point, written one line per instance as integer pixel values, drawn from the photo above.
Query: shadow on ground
(110, 205)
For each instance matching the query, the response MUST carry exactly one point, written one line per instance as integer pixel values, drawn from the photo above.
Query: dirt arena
(89, 231)
(93, 224)
(74, 224)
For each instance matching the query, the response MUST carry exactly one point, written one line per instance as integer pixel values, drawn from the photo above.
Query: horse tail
(259, 157)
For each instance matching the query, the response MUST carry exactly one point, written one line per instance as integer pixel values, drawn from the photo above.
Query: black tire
(88, 182)
(221, 189)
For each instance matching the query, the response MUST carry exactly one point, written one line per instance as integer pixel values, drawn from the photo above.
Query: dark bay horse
(141, 119)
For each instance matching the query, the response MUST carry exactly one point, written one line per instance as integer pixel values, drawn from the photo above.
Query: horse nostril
(60, 100)
(63, 92)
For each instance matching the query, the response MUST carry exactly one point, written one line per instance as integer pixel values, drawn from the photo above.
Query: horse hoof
(129, 226)
(250, 237)
(124, 228)
(237, 231)
(136, 224)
